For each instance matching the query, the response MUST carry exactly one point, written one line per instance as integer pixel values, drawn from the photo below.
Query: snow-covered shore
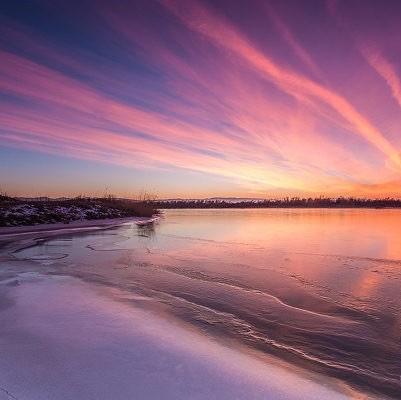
(64, 339)
(37, 213)
(16, 212)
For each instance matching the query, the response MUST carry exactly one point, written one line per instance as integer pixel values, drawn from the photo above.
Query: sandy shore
(64, 339)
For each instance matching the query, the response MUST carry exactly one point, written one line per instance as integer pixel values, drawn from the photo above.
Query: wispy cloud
(197, 95)
(198, 18)
(288, 36)
(385, 69)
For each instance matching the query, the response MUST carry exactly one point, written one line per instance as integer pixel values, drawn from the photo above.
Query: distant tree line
(287, 202)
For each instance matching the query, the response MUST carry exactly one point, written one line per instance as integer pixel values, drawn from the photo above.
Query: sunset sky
(200, 98)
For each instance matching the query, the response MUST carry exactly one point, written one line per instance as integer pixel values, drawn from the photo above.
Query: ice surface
(63, 339)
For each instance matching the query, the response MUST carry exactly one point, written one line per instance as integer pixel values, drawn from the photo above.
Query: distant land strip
(288, 202)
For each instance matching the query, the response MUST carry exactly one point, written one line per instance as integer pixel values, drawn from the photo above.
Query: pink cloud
(233, 112)
(385, 69)
(199, 19)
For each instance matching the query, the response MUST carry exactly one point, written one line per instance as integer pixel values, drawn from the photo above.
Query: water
(319, 288)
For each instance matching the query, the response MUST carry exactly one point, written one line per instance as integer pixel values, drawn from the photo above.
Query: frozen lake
(247, 304)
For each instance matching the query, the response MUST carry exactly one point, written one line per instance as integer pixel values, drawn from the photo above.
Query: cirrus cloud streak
(210, 100)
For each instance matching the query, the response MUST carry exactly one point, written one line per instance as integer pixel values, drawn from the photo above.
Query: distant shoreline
(279, 207)
(286, 202)
(272, 205)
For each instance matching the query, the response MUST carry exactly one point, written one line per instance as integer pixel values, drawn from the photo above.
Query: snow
(61, 338)
(36, 213)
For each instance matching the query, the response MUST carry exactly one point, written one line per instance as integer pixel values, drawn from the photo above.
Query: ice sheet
(61, 339)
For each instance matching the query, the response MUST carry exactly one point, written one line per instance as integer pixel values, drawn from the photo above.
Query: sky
(187, 98)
